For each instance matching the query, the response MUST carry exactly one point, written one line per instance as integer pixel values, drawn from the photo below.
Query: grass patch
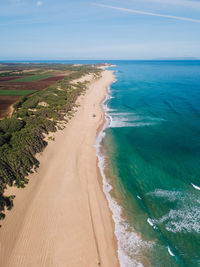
(16, 92)
(51, 138)
(33, 78)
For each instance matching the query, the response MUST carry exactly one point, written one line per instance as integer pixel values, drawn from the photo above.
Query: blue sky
(99, 29)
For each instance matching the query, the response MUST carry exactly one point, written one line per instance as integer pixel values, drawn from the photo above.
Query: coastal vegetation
(24, 134)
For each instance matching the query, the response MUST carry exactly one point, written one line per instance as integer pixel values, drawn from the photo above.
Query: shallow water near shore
(151, 162)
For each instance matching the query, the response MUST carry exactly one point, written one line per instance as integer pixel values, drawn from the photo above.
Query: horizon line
(121, 59)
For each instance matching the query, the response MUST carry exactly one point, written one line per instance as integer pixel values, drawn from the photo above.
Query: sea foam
(195, 186)
(170, 252)
(127, 119)
(129, 243)
(150, 222)
(184, 217)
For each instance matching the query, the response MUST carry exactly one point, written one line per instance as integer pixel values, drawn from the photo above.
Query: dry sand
(62, 217)
(85, 78)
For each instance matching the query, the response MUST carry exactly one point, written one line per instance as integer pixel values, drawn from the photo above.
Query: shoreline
(62, 216)
(126, 236)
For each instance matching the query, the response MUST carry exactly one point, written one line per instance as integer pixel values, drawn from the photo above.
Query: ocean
(149, 156)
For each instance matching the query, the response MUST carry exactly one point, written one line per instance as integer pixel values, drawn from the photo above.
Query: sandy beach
(62, 217)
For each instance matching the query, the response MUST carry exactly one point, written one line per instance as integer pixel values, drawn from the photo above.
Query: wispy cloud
(39, 3)
(141, 12)
(186, 3)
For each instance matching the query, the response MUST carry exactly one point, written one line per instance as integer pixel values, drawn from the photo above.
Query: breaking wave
(129, 243)
(184, 217)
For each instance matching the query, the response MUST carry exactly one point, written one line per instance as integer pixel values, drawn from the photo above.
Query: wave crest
(129, 243)
(185, 217)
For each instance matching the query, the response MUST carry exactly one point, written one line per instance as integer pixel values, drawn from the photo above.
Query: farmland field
(5, 104)
(3, 79)
(36, 85)
(17, 80)
(33, 78)
(16, 92)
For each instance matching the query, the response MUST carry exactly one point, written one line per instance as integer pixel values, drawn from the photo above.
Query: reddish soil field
(5, 103)
(37, 85)
(10, 78)
(7, 84)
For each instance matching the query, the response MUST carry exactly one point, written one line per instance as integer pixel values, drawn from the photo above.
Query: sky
(99, 29)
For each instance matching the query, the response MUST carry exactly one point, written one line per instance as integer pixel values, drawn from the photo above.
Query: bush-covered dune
(22, 135)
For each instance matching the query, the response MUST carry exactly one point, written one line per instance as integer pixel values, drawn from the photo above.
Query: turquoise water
(153, 161)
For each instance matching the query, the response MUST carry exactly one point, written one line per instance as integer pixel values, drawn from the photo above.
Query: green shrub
(31, 102)
(11, 125)
(22, 113)
(20, 102)
(4, 139)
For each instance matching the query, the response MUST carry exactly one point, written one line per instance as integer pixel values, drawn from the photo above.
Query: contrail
(149, 13)
(187, 3)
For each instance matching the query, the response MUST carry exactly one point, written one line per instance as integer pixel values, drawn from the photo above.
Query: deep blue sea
(152, 160)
